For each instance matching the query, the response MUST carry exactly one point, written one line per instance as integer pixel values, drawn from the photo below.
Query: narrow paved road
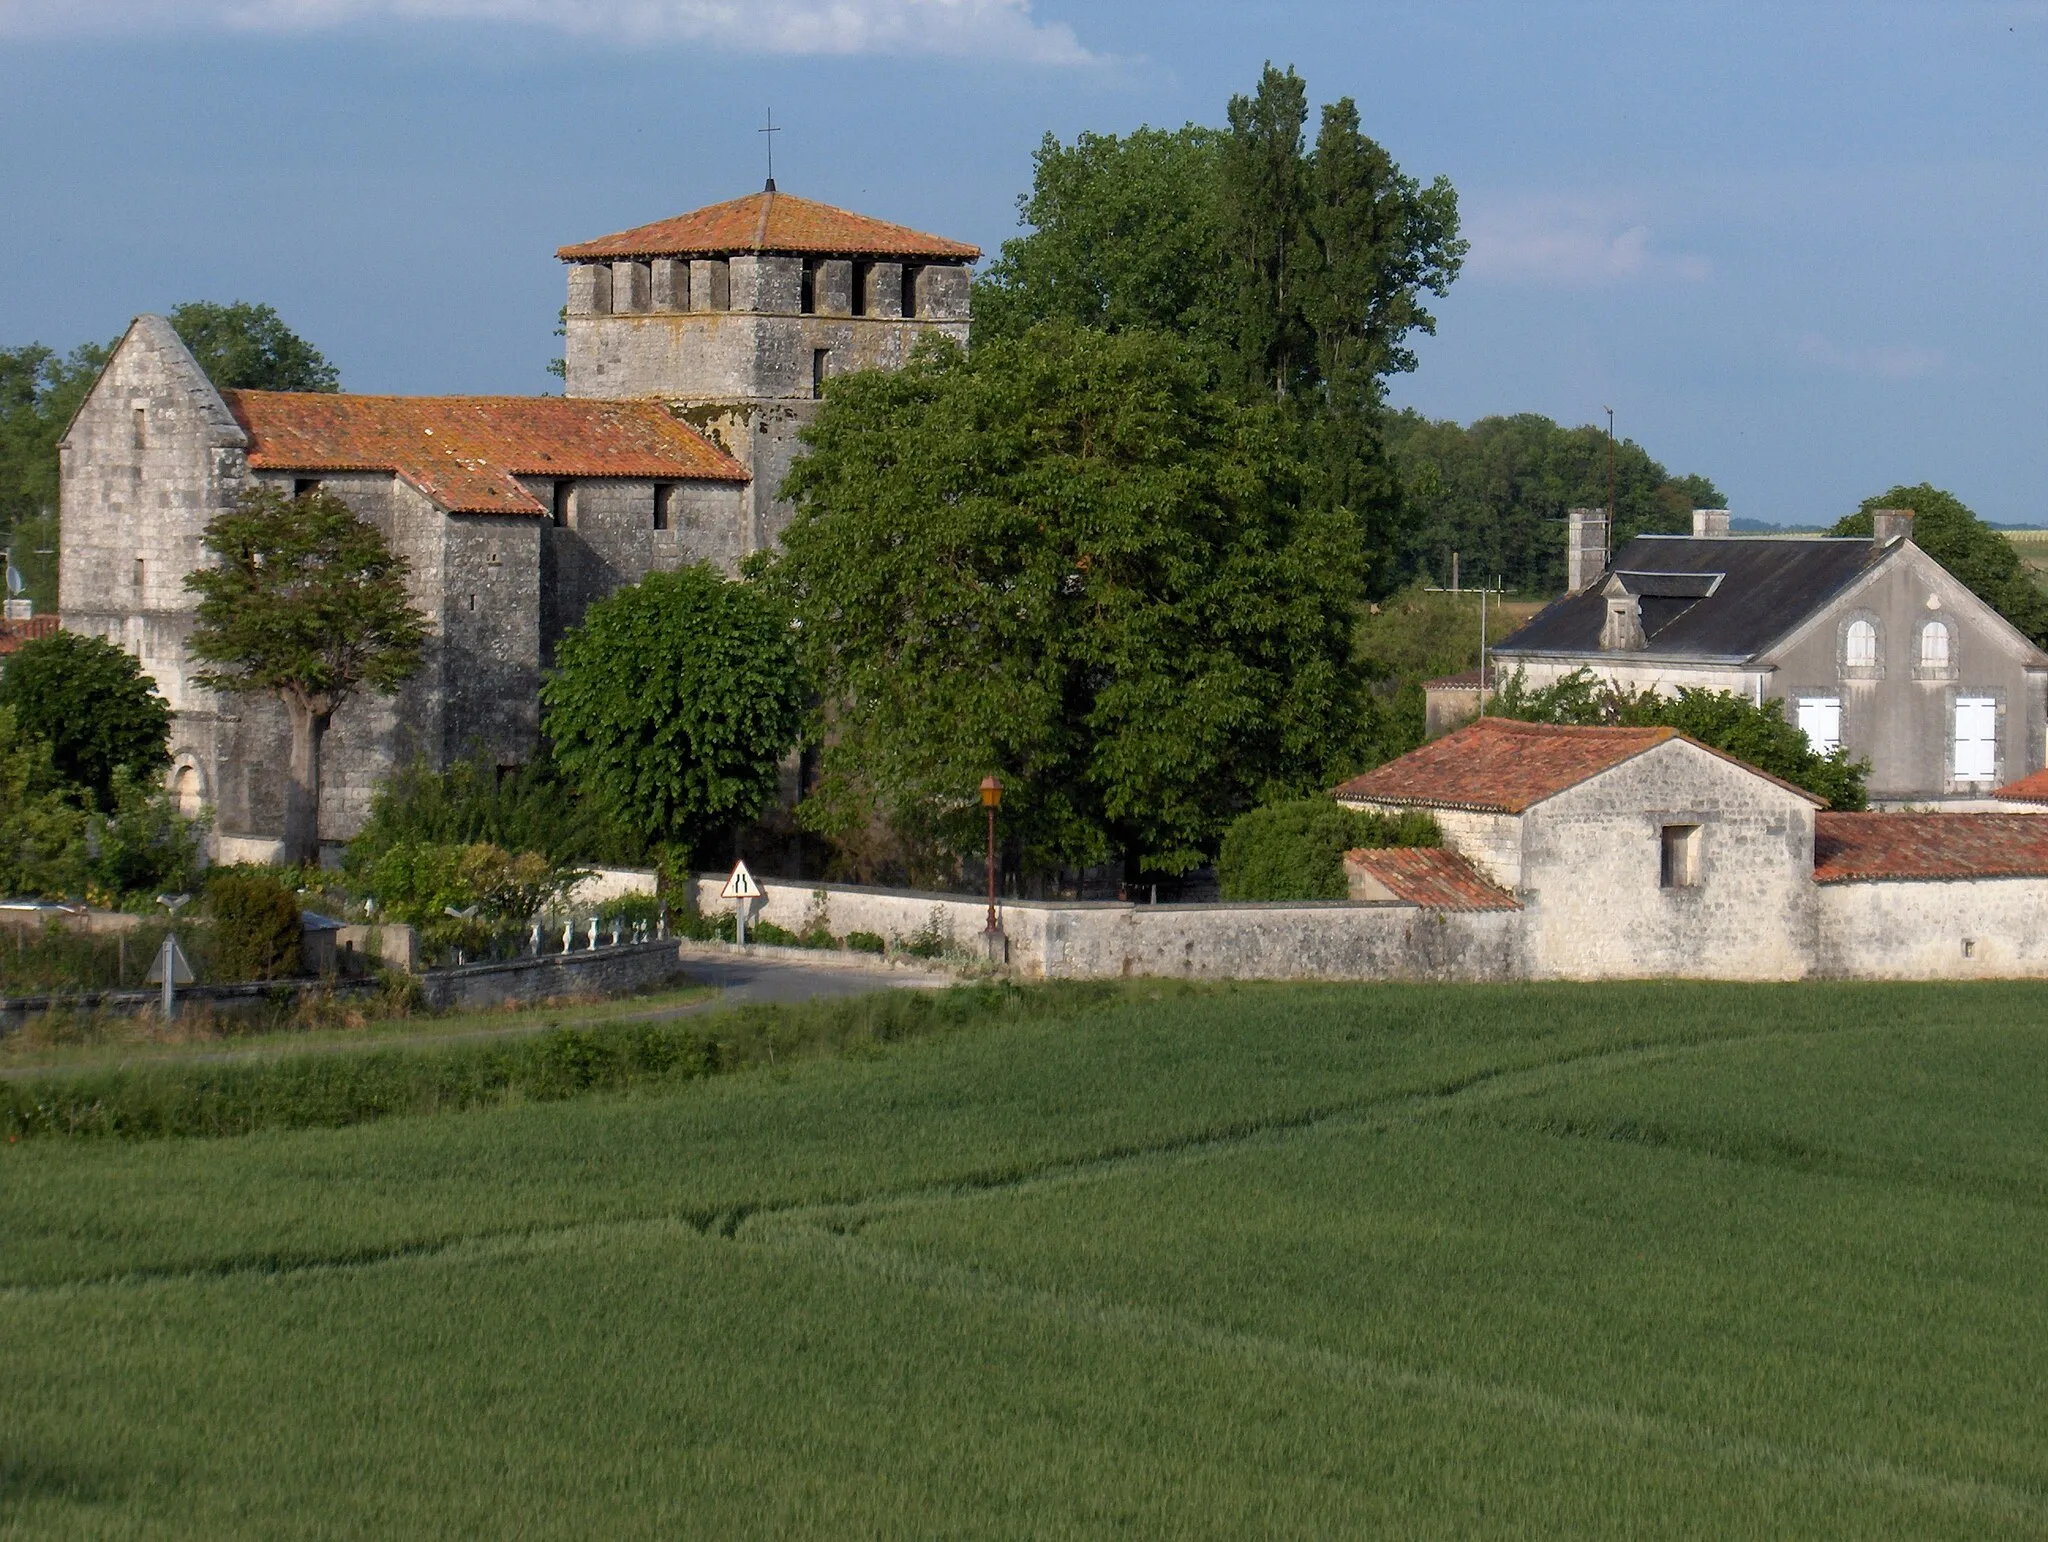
(740, 980)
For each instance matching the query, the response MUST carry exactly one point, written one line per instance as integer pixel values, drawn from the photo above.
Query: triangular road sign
(181, 966)
(741, 885)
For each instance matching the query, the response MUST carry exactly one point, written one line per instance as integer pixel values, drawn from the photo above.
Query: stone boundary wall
(1093, 940)
(1933, 929)
(603, 971)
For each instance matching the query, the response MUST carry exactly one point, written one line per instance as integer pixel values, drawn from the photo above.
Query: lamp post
(992, 799)
(171, 958)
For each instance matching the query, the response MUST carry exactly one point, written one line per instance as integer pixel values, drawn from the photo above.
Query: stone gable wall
(1591, 864)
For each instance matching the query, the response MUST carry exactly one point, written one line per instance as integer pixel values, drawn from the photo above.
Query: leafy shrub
(774, 936)
(146, 847)
(721, 927)
(1758, 734)
(932, 940)
(1295, 851)
(255, 925)
(420, 881)
(867, 942)
(533, 808)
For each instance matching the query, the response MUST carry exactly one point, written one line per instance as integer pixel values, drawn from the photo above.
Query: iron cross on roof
(771, 129)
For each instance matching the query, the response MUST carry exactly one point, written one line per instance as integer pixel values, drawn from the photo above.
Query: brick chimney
(1586, 547)
(1889, 525)
(1708, 523)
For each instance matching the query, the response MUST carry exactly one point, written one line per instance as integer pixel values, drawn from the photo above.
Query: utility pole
(1607, 542)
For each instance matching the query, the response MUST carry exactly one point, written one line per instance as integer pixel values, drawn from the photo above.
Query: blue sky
(1796, 247)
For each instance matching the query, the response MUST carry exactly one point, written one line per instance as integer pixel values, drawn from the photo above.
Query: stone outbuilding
(1872, 646)
(1631, 851)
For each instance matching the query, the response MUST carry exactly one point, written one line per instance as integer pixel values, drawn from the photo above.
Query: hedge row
(327, 1090)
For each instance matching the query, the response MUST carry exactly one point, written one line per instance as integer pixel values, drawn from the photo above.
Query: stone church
(698, 348)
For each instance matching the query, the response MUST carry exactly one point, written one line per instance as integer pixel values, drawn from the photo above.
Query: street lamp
(992, 799)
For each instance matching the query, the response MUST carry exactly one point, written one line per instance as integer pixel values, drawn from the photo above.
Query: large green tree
(1069, 559)
(247, 347)
(1946, 529)
(42, 830)
(306, 602)
(674, 702)
(1298, 273)
(1496, 494)
(39, 392)
(93, 705)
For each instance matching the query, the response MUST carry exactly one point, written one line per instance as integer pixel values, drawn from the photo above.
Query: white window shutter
(1820, 719)
(1976, 738)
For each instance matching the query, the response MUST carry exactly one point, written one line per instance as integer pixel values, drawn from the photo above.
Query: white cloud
(1896, 362)
(987, 28)
(1573, 243)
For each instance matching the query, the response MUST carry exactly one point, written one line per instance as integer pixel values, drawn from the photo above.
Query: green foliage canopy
(1758, 735)
(1982, 559)
(1295, 850)
(532, 808)
(1496, 494)
(1067, 559)
(42, 830)
(245, 347)
(92, 704)
(673, 702)
(1298, 274)
(39, 392)
(256, 927)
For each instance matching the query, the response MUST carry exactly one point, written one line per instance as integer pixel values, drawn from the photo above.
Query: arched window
(1934, 646)
(185, 792)
(1860, 647)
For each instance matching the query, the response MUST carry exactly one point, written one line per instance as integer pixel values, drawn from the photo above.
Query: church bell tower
(737, 314)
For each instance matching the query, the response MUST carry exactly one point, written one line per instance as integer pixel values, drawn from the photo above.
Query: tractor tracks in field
(850, 1213)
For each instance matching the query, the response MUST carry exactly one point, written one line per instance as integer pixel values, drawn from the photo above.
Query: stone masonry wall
(1591, 863)
(1307, 941)
(1966, 929)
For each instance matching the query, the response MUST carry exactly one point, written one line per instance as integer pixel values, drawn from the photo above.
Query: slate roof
(2028, 789)
(1766, 588)
(467, 452)
(771, 222)
(1497, 765)
(1847, 847)
(1430, 877)
(14, 633)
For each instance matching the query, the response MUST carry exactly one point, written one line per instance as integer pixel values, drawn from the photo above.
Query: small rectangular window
(472, 602)
(664, 504)
(807, 301)
(141, 429)
(818, 358)
(909, 290)
(304, 485)
(1820, 719)
(862, 274)
(140, 570)
(1680, 865)
(564, 507)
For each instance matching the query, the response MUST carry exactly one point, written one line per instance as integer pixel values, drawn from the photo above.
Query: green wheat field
(1650, 1260)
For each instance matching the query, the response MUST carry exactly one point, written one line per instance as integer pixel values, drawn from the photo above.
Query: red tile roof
(14, 633)
(2028, 789)
(466, 452)
(1499, 765)
(1430, 877)
(771, 222)
(1853, 846)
